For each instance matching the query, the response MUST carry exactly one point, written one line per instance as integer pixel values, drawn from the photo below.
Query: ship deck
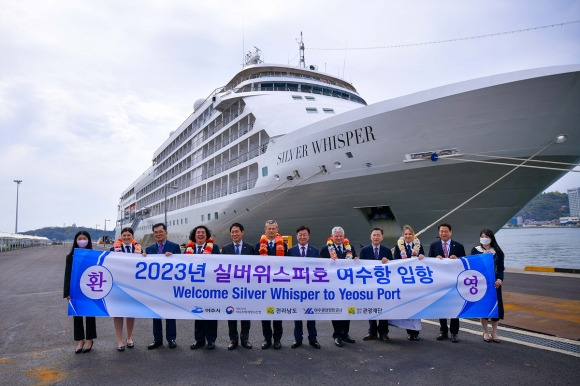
(539, 342)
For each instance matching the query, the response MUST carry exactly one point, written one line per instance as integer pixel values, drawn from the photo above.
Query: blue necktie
(237, 249)
(159, 249)
(376, 253)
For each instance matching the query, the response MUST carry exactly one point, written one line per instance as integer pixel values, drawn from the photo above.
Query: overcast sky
(90, 89)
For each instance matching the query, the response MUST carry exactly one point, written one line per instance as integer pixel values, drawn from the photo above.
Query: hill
(546, 207)
(68, 233)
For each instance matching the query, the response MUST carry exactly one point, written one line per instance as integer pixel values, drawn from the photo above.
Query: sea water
(551, 247)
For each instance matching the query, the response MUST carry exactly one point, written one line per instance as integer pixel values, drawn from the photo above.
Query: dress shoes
(80, 349)
(266, 345)
(385, 338)
(338, 342)
(197, 345)
(486, 340)
(130, 345)
(211, 346)
(296, 344)
(246, 344)
(370, 337)
(171, 344)
(454, 338)
(412, 337)
(277, 345)
(154, 345)
(348, 339)
(120, 348)
(233, 345)
(442, 336)
(87, 349)
(315, 344)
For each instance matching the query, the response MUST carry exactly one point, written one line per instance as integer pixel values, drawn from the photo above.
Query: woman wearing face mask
(488, 244)
(125, 244)
(84, 341)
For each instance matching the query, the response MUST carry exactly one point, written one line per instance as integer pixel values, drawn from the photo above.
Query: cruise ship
(302, 147)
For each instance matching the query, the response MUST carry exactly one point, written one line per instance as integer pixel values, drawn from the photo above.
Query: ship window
(208, 216)
(264, 171)
(202, 217)
(292, 87)
(296, 97)
(215, 215)
(309, 98)
(186, 220)
(267, 86)
(311, 110)
(328, 111)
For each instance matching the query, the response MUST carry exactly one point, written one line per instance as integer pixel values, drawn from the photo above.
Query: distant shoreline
(542, 226)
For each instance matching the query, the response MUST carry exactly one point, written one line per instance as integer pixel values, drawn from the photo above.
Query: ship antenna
(301, 49)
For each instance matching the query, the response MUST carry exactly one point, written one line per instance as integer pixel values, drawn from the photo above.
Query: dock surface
(539, 342)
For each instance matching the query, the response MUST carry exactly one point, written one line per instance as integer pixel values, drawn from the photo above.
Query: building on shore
(574, 202)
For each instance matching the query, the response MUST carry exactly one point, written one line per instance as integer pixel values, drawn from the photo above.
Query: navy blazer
(230, 249)
(368, 253)
(168, 247)
(297, 251)
(325, 254)
(398, 252)
(454, 249)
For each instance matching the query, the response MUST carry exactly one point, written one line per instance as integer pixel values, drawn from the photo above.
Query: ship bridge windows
(311, 110)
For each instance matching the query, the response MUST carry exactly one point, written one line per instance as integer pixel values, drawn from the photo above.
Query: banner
(244, 287)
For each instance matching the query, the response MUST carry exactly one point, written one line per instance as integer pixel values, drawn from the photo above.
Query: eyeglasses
(158, 232)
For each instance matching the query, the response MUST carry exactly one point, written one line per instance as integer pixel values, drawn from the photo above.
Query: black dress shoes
(370, 337)
(246, 344)
(348, 339)
(296, 344)
(233, 345)
(315, 344)
(210, 346)
(154, 345)
(266, 345)
(171, 344)
(120, 348)
(442, 336)
(196, 345)
(338, 342)
(277, 345)
(87, 349)
(412, 337)
(454, 338)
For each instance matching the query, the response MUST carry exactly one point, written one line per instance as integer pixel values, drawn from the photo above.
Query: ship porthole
(337, 164)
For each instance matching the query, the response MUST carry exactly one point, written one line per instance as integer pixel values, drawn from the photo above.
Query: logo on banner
(229, 310)
(270, 310)
(197, 310)
(308, 311)
(96, 282)
(471, 285)
(352, 310)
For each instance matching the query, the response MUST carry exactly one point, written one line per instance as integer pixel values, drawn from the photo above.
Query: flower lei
(278, 242)
(117, 246)
(207, 249)
(403, 250)
(347, 247)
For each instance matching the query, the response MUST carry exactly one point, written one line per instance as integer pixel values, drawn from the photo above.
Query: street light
(105, 232)
(165, 202)
(17, 185)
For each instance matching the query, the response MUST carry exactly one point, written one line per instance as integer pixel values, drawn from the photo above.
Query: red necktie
(445, 249)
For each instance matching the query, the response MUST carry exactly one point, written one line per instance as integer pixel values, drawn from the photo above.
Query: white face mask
(82, 243)
(485, 241)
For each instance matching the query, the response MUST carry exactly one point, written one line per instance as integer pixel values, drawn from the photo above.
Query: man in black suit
(337, 248)
(165, 247)
(303, 249)
(238, 247)
(376, 251)
(447, 248)
(271, 244)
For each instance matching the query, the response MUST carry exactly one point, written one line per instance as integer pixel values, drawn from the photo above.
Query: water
(549, 247)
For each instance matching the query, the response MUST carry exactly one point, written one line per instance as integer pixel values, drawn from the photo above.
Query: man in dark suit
(303, 249)
(376, 251)
(238, 247)
(271, 244)
(165, 247)
(337, 248)
(447, 248)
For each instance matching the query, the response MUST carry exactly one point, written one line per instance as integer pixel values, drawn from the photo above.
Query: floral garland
(207, 249)
(347, 247)
(403, 250)
(278, 242)
(117, 246)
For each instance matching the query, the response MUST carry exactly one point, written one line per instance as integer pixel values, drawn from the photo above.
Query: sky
(90, 89)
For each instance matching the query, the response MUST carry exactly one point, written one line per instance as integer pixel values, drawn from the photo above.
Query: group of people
(271, 243)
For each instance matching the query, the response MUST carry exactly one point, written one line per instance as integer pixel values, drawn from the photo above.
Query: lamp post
(17, 185)
(165, 202)
(105, 232)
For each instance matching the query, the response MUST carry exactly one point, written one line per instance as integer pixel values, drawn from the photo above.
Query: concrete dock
(539, 342)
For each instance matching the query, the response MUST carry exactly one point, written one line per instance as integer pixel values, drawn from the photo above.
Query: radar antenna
(253, 57)
(301, 48)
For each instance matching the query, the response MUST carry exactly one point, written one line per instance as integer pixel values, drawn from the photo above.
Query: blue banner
(235, 287)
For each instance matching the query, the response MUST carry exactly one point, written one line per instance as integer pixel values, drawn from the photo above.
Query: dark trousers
(298, 330)
(79, 329)
(413, 332)
(381, 329)
(244, 330)
(170, 329)
(453, 326)
(205, 330)
(267, 330)
(341, 328)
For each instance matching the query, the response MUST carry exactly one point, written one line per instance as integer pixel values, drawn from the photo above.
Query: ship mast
(301, 49)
